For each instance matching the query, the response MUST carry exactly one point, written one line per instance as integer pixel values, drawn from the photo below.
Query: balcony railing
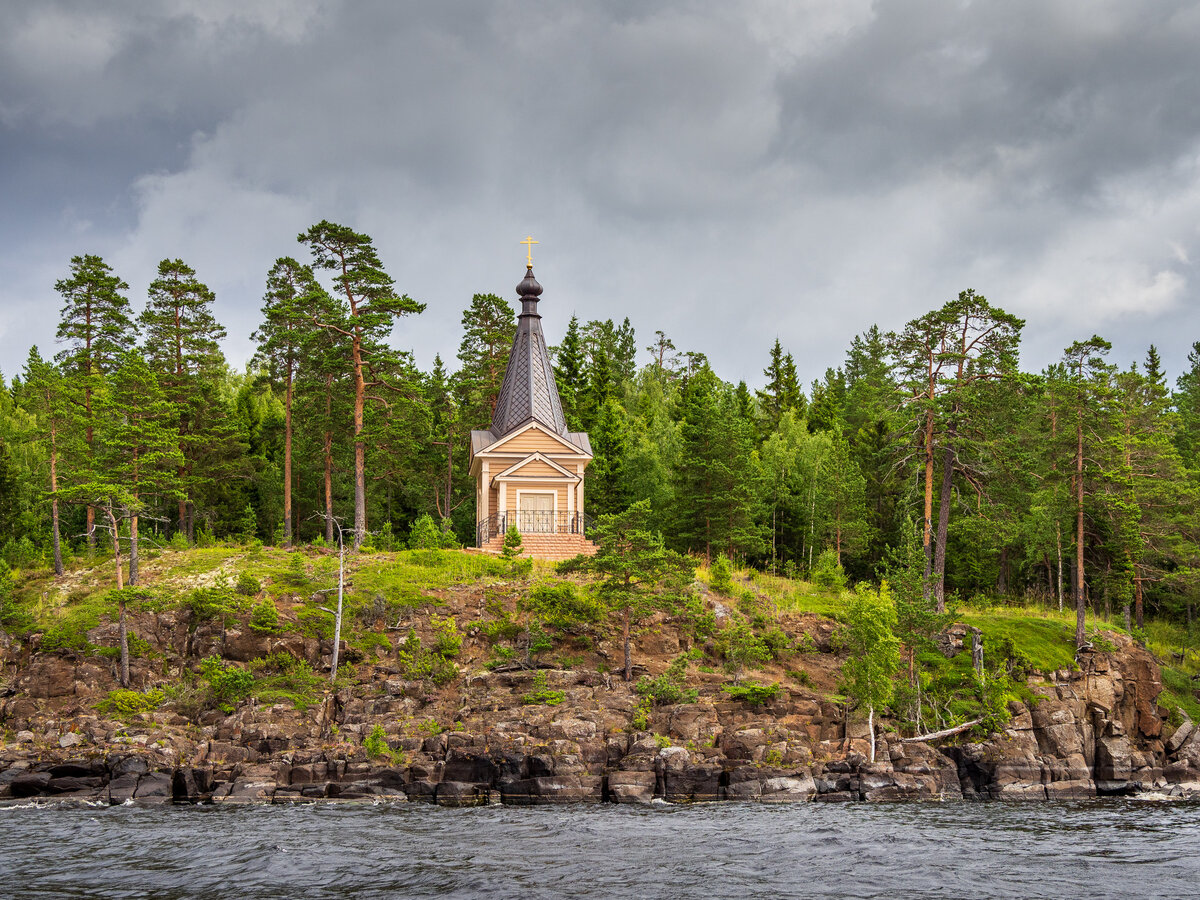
(532, 521)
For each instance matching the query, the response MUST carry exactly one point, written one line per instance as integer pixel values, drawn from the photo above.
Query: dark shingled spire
(529, 392)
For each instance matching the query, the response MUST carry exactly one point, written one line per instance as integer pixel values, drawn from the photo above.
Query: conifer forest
(1075, 485)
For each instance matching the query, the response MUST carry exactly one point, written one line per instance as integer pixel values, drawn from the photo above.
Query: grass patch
(1178, 693)
(1048, 642)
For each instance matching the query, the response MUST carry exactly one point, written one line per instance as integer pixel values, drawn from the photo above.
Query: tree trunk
(1058, 538)
(871, 730)
(927, 527)
(625, 634)
(287, 463)
(123, 630)
(1080, 610)
(943, 529)
(116, 540)
(360, 446)
(133, 550)
(54, 528)
(328, 461)
(1137, 602)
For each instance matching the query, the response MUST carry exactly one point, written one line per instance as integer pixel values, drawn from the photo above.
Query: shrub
(227, 684)
(447, 641)
(669, 687)
(541, 692)
(214, 602)
(314, 623)
(751, 693)
(425, 534)
(741, 647)
(828, 573)
(641, 715)
(129, 703)
(513, 547)
(416, 663)
(247, 585)
(264, 618)
(375, 743)
(720, 576)
(12, 615)
(561, 604)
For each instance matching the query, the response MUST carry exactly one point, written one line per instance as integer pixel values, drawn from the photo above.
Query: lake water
(1100, 849)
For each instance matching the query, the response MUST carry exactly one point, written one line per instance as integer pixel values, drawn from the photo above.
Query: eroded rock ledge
(1088, 733)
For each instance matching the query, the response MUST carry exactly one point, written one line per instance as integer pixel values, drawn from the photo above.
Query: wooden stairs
(549, 546)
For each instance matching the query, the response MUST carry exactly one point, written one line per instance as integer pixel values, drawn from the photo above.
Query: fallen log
(938, 735)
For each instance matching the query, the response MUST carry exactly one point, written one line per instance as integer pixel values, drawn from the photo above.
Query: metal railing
(532, 521)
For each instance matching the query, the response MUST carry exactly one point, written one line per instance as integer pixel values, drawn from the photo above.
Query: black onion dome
(529, 286)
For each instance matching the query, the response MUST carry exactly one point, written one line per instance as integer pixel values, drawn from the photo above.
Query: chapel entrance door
(536, 512)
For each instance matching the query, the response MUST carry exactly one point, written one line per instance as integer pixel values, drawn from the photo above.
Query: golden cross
(529, 242)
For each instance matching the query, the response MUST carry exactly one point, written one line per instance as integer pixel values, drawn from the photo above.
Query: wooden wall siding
(537, 469)
(533, 440)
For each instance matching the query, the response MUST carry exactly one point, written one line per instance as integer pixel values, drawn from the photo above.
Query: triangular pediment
(515, 469)
(504, 444)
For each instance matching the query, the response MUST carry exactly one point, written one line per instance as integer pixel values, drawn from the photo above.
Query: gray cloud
(728, 173)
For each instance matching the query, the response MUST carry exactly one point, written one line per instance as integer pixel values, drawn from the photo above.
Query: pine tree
(293, 298)
(180, 337)
(373, 306)
(47, 393)
(97, 328)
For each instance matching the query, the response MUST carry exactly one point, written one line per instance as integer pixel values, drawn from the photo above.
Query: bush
(720, 576)
(416, 663)
(541, 692)
(12, 615)
(314, 623)
(227, 684)
(447, 641)
(375, 743)
(741, 647)
(264, 618)
(751, 693)
(129, 703)
(828, 573)
(214, 602)
(513, 547)
(669, 687)
(425, 535)
(247, 585)
(562, 605)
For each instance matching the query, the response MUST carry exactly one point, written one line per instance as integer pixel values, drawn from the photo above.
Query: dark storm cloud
(725, 172)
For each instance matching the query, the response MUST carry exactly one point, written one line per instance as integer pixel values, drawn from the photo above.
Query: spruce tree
(489, 325)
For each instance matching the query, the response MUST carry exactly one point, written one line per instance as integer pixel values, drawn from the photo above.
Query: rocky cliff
(480, 739)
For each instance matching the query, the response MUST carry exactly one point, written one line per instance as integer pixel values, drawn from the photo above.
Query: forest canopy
(1075, 484)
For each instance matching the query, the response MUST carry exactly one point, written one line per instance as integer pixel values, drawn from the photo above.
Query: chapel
(528, 468)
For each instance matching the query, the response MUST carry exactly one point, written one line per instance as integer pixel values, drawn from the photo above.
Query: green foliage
(123, 703)
(425, 534)
(1179, 693)
(751, 693)
(227, 684)
(283, 678)
(513, 547)
(417, 663)
(641, 714)
(700, 620)
(721, 575)
(13, 615)
(541, 692)
(670, 686)
(828, 573)
(741, 647)
(247, 585)
(264, 617)
(314, 623)
(561, 605)
(447, 640)
(216, 602)
(375, 743)
(874, 650)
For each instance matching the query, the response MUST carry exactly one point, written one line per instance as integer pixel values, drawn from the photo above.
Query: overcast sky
(726, 172)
